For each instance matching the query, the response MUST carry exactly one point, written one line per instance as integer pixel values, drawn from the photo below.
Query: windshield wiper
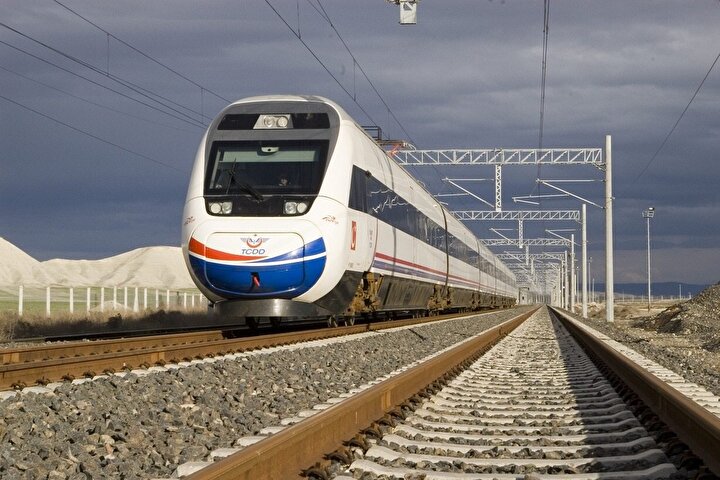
(245, 187)
(231, 178)
(249, 189)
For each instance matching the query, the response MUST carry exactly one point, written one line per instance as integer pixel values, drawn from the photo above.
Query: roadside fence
(628, 298)
(76, 300)
(599, 297)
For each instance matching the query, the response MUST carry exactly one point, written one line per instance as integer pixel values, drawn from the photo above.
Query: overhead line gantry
(499, 157)
(530, 242)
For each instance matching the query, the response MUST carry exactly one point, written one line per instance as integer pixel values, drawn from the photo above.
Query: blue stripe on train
(312, 248)
(397, 268)
(288, 280)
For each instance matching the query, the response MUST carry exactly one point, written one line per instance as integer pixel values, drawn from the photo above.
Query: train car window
(457, 248)
(358, 191)
(426, 233)
(378, 199)
(371, 196)
(438, 236)
(484, 265)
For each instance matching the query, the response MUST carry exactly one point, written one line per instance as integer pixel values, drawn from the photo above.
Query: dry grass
(627, 311)
(14, 328)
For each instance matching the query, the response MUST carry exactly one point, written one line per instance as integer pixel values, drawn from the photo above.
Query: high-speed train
(293, 211)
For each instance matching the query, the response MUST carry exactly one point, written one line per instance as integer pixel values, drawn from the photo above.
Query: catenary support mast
(609, 281)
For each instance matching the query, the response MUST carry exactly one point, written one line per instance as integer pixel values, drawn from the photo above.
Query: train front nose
(257, 265)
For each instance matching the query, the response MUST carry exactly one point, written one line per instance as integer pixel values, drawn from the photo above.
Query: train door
(362, 238)
(362, 227)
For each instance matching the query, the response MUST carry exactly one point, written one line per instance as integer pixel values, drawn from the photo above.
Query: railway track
(38, 367)
(534, 406)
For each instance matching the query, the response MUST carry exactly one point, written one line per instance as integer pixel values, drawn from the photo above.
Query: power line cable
(127, 84)
(543, 81)
(543, 84)
(323, 14)
(83, 132)
(99, 105)
(677, 122)
(192, 122)
(297, 35)
(135, 49)
(326, 17)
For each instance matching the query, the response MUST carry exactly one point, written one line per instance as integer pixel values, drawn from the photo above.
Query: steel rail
(286, 453)
(76, 348)
(692, 423)
(85, 359)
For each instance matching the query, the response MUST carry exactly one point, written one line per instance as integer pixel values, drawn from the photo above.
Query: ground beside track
(683, 337)
(144, 426)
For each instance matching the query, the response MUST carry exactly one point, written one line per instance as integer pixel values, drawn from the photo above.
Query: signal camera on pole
(408, 11)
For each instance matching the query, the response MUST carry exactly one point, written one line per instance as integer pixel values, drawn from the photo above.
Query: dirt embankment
(698, 318)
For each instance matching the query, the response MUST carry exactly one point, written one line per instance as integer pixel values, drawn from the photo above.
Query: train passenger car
(293, 211)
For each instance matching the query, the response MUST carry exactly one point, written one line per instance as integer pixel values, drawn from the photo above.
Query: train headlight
(220, 208)
(295, 208)
(273, 121)
(291, 208)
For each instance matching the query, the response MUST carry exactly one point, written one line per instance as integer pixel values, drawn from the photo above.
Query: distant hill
(152, 267)
(666, 289)
(17, 267)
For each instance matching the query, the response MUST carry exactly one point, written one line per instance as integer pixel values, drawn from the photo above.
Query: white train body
(293, 210)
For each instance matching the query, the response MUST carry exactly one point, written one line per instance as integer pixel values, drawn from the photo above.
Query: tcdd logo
(254, 245)
(252, 251)
(254, 242)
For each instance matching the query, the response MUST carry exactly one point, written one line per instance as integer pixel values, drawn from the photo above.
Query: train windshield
(261, 168)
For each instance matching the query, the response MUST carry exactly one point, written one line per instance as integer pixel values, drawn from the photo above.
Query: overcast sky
(90, 168)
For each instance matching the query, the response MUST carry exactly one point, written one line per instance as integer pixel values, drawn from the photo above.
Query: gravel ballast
(683, 338)
(145, 425)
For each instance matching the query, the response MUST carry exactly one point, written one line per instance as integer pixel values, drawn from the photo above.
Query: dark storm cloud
(468, 75)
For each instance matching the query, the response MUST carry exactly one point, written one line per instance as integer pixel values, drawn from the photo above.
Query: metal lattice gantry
(522, 257)
(517, 215)
(530, 242)
(544, 272)
(501, 156)
(521, 216)
(543, 278)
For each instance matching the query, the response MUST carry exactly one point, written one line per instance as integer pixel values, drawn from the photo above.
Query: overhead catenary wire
(543, 85)
(316, 57)
(543, 80)
(325, 16)
(85, 100)
(146, 55)
(677, 122)
(91, 135)
(152, 96)
(25, 52)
